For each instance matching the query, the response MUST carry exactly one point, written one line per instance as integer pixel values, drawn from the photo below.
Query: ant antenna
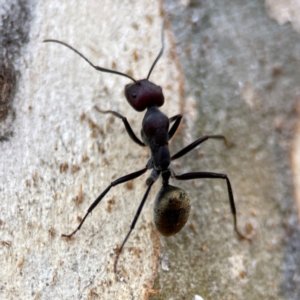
(95, 67)
(162, 47)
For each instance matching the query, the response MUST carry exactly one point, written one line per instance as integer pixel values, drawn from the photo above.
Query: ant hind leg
(199, 175)
(133, 224)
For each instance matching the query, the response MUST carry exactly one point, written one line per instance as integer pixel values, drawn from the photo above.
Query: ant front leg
(207, 175)
(96, 202)
(126, 123)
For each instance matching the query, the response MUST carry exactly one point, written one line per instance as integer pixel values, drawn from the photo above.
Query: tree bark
(238, 67)
(60, 153)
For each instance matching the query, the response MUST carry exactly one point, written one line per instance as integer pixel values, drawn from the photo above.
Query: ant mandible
(172, 205)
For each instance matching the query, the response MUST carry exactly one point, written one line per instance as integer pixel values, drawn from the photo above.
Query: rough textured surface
(63, 154)
(241, 69)
(240, 62)
(15, 22)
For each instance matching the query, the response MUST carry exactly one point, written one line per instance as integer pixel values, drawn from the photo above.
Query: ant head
(143, 94)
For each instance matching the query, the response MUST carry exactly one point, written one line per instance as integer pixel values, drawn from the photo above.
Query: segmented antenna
(162, 47)
(113, 71)
(95, 67)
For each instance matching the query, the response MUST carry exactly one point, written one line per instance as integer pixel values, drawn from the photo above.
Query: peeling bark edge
(14, 36)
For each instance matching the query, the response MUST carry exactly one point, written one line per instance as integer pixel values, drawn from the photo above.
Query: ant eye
(134, 95)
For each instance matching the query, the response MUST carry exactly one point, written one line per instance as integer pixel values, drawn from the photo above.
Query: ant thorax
(155, 128)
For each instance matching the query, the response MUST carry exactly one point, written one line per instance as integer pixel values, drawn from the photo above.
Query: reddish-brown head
(143, 94)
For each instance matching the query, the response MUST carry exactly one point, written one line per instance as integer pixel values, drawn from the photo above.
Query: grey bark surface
(240, 65)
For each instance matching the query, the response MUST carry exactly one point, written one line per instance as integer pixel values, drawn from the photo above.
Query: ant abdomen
(171, 210)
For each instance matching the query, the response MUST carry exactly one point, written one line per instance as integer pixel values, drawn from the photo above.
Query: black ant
(172, 204)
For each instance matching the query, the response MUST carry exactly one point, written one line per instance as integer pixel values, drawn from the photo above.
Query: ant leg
(96, 202)
(174, 127)
(127, 125)
(198, 142)
(150, 183)
(196, 175)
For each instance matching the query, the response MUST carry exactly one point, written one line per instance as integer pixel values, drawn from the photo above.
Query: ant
(172, 205)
